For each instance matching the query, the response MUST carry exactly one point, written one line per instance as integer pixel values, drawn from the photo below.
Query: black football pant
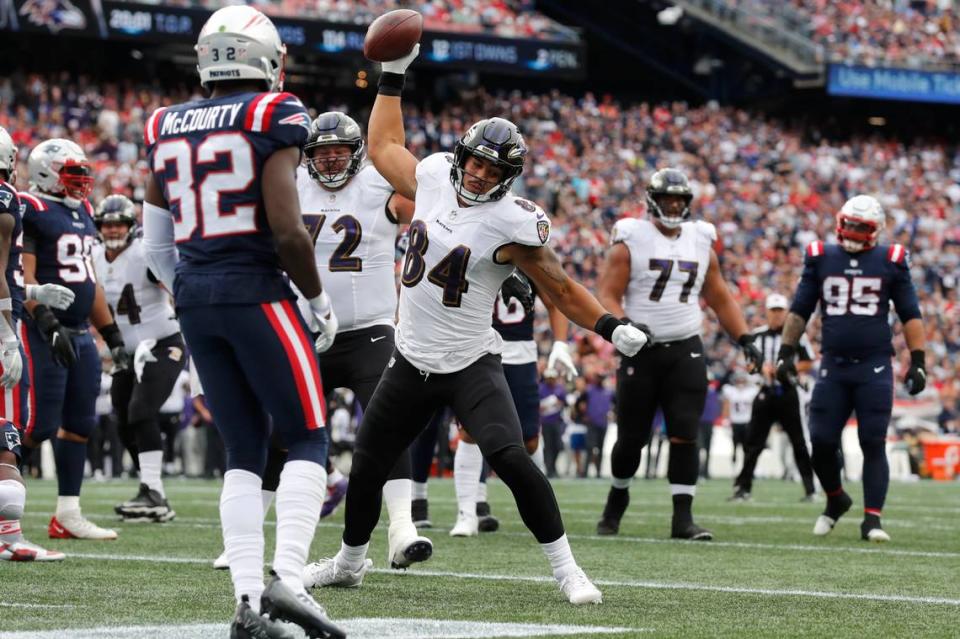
(775, 405)
(402, 406)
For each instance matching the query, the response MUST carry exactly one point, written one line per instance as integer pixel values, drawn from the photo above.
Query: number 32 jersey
(666, 275)
(208, 158)
(854, 291)
(450, 278)
(355, 242)
(141, 308)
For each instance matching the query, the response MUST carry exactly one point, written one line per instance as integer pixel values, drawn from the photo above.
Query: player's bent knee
(531, 445)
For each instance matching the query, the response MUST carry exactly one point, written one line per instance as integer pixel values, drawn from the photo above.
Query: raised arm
(385, 136)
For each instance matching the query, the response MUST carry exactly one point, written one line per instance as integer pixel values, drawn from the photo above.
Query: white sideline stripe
(656, 585)
(14, 604)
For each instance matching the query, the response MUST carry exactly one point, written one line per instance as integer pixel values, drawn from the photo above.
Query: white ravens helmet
(240, 43)
(859, 223)
(60, 167)
(8, 155)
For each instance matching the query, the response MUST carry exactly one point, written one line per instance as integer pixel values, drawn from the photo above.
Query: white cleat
(328, 572)
(406, 547)
(221, 563)
(579, 590)
(73, 525)
(23, 550)
(823, 525)
(877, 536)
(468, 525)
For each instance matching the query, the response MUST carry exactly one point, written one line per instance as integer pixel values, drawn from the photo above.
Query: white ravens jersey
(355, 247)
(450, 278)
(741, 401)
(141, 308)
(666, 275)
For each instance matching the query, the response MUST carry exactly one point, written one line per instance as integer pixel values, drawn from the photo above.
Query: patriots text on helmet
(213, 117)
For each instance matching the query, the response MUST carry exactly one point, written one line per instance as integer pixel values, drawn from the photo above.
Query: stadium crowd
(505, 18)
(770, 188)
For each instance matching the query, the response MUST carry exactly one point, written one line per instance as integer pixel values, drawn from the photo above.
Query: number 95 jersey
(450, 278)
(208, 158)
(854, 291)
(666, 275)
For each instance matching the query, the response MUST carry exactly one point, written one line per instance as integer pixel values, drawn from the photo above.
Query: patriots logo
(5, 198)
(13, 438)
(297, 119)
(543, 231)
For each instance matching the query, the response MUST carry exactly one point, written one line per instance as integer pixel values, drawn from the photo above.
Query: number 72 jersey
(855, 291)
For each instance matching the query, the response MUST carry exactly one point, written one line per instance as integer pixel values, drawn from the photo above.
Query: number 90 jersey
(666, 275)
(62, 239)
(11, 205)
(450, 278)
(208, 158)
(854, 291)
(355, 242)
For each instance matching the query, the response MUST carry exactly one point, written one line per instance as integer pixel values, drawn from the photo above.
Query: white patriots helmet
(859, 223)
(240, 43)
(8, 155)
(60, 167)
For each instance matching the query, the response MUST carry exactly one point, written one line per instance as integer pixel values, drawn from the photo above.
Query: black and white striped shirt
(767, 340)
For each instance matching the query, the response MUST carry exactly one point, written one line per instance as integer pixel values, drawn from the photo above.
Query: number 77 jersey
(208, 158)
(855, 291)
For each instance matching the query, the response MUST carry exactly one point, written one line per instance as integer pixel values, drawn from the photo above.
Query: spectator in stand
(596, 417)
(712, 410)
(553, 398)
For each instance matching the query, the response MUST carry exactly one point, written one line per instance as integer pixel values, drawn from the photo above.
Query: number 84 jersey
(666, 275)
(141, 308)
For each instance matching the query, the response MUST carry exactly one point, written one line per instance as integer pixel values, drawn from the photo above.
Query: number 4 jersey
(666, 275)
(62, 239)
(142, 309)
(208, 158)
(855, 291)
(450, 276)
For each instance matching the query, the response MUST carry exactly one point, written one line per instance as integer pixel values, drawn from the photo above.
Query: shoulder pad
(33, 201)
(151, 130)
(815, 249)
(624, 229)
(897, 254)
(526, 205)
(707, 229)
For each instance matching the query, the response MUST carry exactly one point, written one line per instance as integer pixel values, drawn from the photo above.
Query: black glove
(644, 328)
(118, 352)
(787, 365)
(519, 287)
(750, 353)
(59, 338)
(916, 379)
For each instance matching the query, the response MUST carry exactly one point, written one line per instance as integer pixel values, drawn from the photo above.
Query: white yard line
(14, 604)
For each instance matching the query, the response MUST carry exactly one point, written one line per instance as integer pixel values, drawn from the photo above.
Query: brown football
(392, 35)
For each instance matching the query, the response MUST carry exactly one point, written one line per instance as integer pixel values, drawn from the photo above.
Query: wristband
(390, 83)
(111, 335)
(918, 358)
(606, 325)
(745, 339)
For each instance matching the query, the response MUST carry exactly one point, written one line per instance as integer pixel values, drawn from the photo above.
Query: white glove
(142, 356)
(52, 295)
(629, 339)
(10, 360)
(400, 66)
(326, 319)
(560, 354)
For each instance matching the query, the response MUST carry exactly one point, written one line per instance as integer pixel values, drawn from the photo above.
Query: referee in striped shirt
(775, 403)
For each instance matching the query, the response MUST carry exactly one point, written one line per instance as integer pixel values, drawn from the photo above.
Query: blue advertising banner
(894, 84)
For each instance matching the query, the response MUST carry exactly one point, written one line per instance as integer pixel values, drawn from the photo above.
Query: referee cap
(775, 300)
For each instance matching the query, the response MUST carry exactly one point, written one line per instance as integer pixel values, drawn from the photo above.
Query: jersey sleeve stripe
(815, 249)
(34, 201)
(895, 253)
(152, 130)
(89, 207)
(260, 117)
(300, 362)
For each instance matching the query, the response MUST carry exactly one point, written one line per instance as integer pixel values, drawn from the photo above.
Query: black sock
(837, 505)
(682, 505)
(617, 501)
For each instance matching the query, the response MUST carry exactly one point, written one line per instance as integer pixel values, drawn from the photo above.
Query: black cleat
(690, 531)
(617, 501)
(739, 494)
(249, 625)
(608, 526)
(280, 602)
(421, 516)
(836, 507)
(487, 522)
(148, 505)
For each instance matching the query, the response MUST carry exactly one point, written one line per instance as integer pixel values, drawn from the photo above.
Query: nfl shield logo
(543, 230)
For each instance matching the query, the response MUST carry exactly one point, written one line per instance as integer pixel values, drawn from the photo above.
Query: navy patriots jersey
(855, 291)
(208, 158)
(62, 239)
(10, 205)
(511, 321)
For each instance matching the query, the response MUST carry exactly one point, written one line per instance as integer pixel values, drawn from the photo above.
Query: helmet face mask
(334, 150)
(59, 167)
(239, 43)
(116, 219)
(667, 192)
(859, 223)
(495, 142)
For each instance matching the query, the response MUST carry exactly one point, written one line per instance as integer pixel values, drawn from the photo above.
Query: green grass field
(766, 575)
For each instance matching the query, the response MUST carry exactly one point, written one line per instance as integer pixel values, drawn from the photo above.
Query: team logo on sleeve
(5, 198)
(543, 230)
(297, 119)
(13, 438)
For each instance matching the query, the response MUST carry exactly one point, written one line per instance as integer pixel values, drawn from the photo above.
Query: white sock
(67, 504)
(467, 466)
(241, 518)
(266, 496)
(299, 498)
(13, 497)
(151, 463)
(621, 483)
(351, 557)
(560, 556)
(683, 489)
(537, 456)
(419, 490)
(334, 477)
(482, 491)
(397, 495)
